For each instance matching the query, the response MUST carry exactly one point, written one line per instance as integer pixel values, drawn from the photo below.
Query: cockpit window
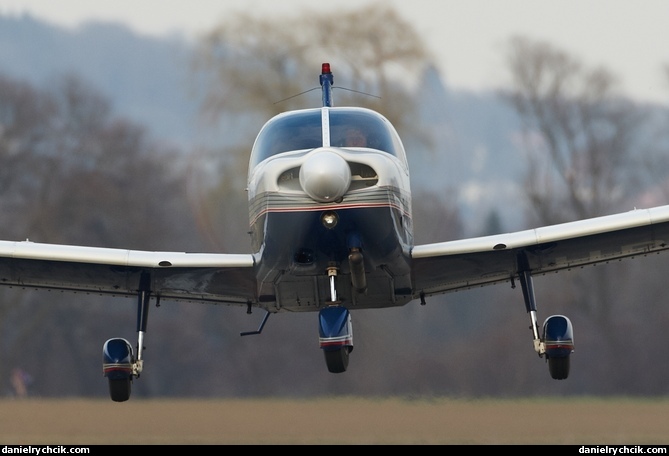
(302, 130)
(296, 131)
(360, 129)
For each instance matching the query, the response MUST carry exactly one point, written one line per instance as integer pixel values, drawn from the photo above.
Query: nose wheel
(335, 330)
(337, 360)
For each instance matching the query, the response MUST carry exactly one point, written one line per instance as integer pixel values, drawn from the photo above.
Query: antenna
(326, 80)
(327, 84)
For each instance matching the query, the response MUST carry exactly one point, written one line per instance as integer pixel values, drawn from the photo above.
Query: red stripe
(117, 368)
(340, 343)
(329, 208)
(552, 346)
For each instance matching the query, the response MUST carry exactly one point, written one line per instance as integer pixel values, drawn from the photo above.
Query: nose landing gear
(335, 329)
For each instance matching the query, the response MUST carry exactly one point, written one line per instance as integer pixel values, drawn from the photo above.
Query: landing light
(329, 219)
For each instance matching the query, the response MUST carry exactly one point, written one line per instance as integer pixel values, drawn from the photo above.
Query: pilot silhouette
(355, 138)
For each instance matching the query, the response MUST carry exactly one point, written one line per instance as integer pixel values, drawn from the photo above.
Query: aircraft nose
(325, 176)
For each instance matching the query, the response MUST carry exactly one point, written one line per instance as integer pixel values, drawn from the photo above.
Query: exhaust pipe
(357, 264)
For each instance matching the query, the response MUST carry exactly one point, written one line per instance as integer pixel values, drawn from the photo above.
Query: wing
(454, 265)
(216, 278)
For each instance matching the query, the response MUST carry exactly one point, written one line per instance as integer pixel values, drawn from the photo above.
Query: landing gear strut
(557, 337)
(335, 329)
(119, 364)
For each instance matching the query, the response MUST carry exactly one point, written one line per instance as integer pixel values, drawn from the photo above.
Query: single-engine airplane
(331, 231)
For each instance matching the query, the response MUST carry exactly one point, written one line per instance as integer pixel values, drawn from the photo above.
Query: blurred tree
(250, 64)
(656, 163)
(585, 145)
(25, 122)
(73, 173)
(580, 134)
(436, 218)
(63, 153)
(580, 137)
(492, 224)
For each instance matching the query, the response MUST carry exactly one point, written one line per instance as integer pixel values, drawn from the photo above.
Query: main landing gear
(119, 364)
(557, 337)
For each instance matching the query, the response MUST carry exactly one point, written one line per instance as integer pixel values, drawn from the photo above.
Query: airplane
(331, 231)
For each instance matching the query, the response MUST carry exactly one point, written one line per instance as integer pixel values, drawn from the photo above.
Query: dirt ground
(335, 421)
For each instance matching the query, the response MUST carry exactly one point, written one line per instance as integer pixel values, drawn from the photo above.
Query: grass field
(336, 421)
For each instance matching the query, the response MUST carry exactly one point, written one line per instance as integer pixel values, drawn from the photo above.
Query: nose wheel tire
(337, 360)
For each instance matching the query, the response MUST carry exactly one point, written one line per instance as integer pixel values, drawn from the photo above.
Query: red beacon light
(326, 79)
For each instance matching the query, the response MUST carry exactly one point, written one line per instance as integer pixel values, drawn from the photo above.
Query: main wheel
(559, 367)
(337, 360)
(119, 389)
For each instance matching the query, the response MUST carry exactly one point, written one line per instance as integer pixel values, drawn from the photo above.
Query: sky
(466, 38)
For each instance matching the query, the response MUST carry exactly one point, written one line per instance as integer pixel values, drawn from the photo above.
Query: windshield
(302, 130)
